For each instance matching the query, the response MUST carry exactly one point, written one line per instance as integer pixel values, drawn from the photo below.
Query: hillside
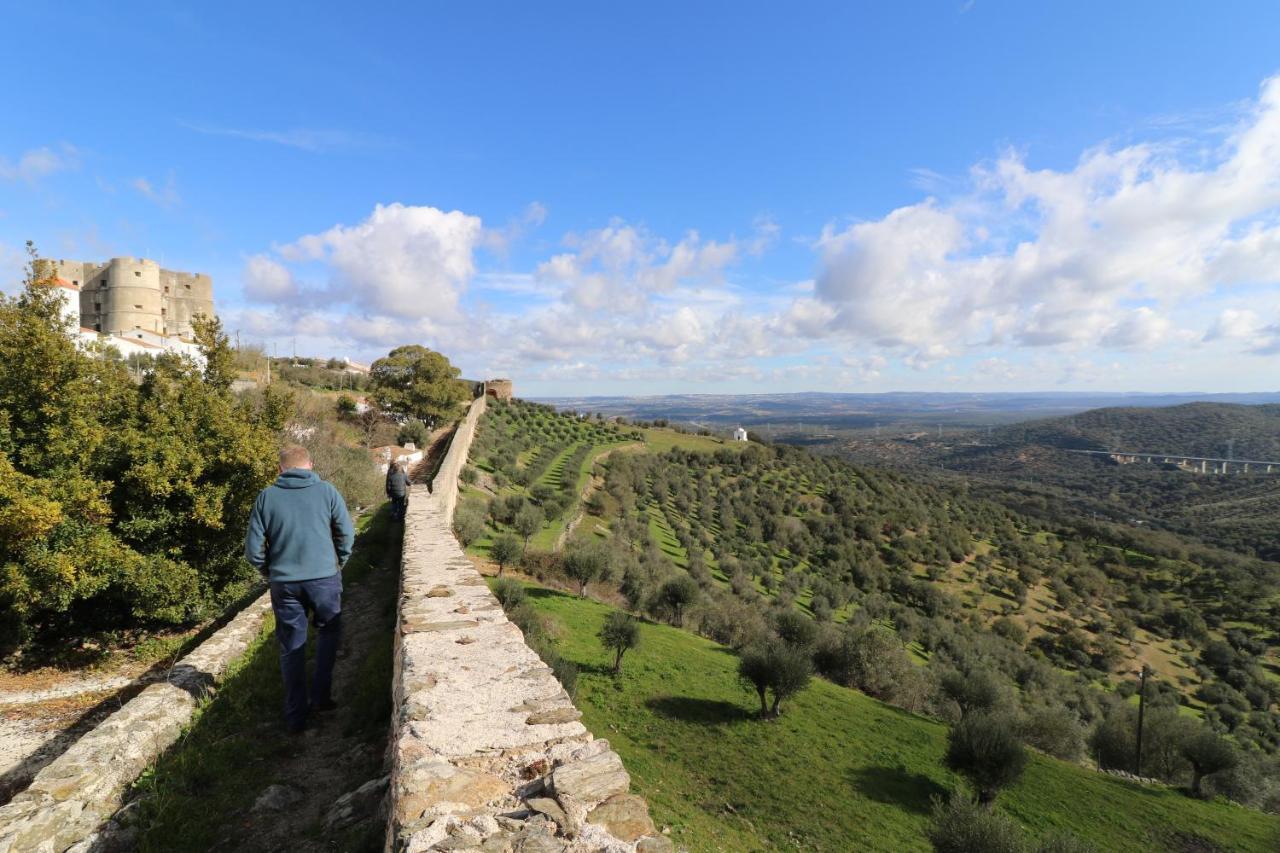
(839, 770)
(729, 539)
(1236, 512)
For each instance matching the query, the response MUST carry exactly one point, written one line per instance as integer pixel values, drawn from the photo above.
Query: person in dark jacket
(398, 490)
(300, 536)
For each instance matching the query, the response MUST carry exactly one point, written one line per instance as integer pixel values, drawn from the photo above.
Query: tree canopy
(415, 382)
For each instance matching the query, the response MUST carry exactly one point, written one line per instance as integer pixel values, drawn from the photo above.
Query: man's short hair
(294, 456)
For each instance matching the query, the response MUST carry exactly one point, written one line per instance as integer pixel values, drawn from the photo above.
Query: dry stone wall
(69, 803)
(488, 752)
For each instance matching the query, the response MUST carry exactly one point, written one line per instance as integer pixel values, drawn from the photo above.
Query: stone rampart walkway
(488, 750)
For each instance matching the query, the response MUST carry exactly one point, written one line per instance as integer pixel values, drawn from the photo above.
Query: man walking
(300, 536)
(398, 490)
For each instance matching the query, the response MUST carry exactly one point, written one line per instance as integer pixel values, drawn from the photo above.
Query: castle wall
(126, 294)
(485, 741)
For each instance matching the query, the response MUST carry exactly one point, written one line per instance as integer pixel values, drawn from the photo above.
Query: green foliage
(775, 669)
(505, 551)
(961, 825)
(417, 382)
(985, 749)
(1207, 752)
(346, 404)
(678, 717)
(415, 432)
(674, 596)
(584, 563)
(621, 633)
(121, 503)
(509, 592)
(468, 523)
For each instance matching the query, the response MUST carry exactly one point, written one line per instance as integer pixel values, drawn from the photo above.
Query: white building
(739, 434)
(407, 456)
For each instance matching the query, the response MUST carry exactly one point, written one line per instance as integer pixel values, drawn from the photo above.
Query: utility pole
(1142, 707)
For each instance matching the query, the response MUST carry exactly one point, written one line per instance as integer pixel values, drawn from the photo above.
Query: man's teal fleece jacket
(299, 529)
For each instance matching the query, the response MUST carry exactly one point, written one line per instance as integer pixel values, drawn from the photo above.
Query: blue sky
(647, 198)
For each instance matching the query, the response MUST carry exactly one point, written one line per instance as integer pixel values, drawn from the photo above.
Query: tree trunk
(1197, 776)
(777, 711)
(764, 705)
(617, 661)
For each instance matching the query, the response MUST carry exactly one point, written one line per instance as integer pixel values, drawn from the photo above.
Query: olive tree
(621, 633)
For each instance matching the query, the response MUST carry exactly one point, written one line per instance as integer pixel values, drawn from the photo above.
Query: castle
(125, 294)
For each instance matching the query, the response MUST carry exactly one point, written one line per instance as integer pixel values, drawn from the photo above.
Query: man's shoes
(326, 705)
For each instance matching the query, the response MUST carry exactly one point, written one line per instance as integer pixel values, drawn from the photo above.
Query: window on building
(164, 311)
(138, 273)
(187, 286)
(139, 307)
(76, 283)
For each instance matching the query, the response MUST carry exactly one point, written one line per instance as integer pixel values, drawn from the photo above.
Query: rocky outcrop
(488, 752)
(68, 803)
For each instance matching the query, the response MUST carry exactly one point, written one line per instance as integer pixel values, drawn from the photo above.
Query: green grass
(658, 440)
(201, 790)
(839, 771)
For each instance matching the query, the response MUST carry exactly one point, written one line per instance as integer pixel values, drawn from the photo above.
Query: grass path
(200, 794)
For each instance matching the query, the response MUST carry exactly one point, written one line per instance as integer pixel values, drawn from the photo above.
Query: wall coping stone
(69, 802)
(487, 749)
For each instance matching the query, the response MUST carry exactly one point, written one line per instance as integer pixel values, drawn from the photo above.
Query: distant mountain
(861, 411)
(1192, 429)
(1028, 464)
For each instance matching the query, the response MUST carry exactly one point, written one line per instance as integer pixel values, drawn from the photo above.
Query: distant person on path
(398, 490)
(300, 536)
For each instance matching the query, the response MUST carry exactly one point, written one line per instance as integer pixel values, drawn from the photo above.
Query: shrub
(468, 524)
(346, 404)
(414, 431)
(1055, 731)
(509, 592)
(960, 825)
(980, 690)
(985, 749)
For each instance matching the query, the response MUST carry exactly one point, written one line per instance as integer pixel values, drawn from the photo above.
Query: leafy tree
(1054, 730)
(528, 521)
(675, 595)
(584, 563)
(979, 690)
(1207, 753)
(777, 669)
(346, 405)
(621, 632)
(796, 629)
(985, 749)
(414, 381)
(121, 503)
(504, 551)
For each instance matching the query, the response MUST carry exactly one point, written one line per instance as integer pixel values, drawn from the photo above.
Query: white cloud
(36, 163)
(1051, 258)
(305, 139)
(402, 261)
(268, 280)
(166, 195)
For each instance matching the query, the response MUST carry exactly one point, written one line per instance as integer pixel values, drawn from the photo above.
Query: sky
(720, 197)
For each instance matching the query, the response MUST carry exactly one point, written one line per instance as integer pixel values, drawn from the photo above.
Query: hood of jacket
(297, 478)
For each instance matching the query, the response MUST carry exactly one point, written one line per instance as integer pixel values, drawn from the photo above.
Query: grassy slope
(839, 771)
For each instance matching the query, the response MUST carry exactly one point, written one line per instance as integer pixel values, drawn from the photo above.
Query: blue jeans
(292, 601)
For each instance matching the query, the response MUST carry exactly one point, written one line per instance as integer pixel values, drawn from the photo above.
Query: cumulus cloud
(406, 261)
(268, 280)
(36, 163)
(1037, 258)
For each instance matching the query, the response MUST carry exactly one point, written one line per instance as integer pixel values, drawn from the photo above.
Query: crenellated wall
(487, 749)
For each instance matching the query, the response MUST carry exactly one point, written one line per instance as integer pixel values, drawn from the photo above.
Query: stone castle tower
(127, 294)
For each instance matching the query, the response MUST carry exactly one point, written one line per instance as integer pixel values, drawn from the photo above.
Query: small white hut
(739, 434)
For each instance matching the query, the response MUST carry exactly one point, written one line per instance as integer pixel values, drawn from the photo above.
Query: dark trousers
(399, 503)
(292, 601)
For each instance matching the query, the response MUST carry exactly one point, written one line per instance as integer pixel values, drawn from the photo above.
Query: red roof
(62, 282)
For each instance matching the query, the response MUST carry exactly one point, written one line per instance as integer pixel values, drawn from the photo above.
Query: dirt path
(237, 781)
(588, 488)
